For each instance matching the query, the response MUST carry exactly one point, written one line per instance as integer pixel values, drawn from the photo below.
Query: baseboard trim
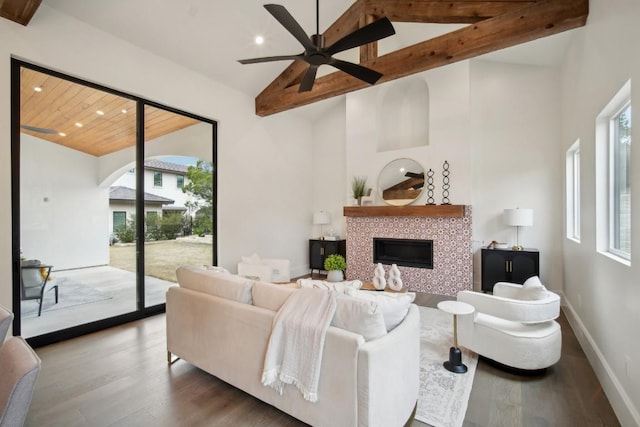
(622, 405)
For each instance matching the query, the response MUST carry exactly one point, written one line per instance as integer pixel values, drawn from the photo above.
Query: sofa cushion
(215, 283)
(359, 316)
(393, 306)
(270, 296)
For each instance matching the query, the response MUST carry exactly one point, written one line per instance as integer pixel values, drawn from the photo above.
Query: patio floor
(97, 293)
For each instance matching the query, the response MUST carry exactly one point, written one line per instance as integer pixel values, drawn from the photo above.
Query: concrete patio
(112, 293)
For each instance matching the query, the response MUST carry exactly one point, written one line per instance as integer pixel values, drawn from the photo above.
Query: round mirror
(401, 182)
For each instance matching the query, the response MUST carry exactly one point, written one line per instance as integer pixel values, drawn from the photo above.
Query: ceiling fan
(316, 54)
(39, 130)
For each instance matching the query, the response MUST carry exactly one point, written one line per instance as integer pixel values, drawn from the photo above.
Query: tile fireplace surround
(452, 249)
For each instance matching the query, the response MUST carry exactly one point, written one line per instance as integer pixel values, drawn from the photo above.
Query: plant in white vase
(358, 187)
(335, 264)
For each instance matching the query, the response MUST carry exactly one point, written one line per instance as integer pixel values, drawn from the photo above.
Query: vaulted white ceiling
(210, 36)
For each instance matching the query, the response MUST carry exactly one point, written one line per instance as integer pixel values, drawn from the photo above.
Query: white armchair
(515, 326)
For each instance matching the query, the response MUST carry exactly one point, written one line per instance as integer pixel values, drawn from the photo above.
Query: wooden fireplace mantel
(450, 211)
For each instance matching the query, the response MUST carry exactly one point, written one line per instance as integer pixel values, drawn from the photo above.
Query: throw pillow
(339, 287)
(394, 306)
(359, 316)
(532, 290)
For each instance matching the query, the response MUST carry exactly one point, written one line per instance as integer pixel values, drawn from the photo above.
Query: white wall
(515, 128)
(603, 296)
(448, 133)
(65, 214)
(264, 183)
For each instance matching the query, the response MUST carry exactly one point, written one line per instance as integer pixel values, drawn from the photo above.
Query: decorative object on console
(518, 218)
(379, 282)
(401, 182)
(445, 183)
(335, 264)
(367, 198)
(395, 282)
(321, 218)
(430, 187)
(358, 188)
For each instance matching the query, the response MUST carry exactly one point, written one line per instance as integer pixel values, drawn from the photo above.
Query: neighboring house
(162, 192)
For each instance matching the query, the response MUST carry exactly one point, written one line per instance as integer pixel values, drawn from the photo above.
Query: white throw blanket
(294, 353)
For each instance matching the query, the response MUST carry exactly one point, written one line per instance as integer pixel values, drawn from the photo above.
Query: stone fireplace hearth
(452, 246)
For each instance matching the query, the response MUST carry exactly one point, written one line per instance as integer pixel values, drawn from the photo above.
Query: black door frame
(141, 311)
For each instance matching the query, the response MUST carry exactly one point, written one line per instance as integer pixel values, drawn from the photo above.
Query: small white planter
(335, 276)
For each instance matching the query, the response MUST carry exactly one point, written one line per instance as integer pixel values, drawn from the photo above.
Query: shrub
(335, 262)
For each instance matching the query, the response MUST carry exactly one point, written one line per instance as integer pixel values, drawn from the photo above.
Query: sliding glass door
(105, 199)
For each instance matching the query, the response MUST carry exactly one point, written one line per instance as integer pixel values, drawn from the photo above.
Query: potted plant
(358, 187)
(335, 264)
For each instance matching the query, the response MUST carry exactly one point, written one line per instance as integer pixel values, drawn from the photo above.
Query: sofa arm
(391, 362)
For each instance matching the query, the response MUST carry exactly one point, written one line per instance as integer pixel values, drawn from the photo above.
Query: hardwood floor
(119, 377)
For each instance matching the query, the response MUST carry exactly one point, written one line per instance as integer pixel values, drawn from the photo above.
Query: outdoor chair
(19, 368)
(35, 280)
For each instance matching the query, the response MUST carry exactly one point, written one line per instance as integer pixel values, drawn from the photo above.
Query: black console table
(319, 250)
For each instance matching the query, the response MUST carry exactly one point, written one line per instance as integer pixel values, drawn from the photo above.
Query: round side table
(454, 364)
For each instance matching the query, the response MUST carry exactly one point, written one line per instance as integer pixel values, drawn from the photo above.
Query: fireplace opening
(405, 252)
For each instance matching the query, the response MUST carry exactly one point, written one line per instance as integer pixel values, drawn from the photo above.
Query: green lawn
(162, 257)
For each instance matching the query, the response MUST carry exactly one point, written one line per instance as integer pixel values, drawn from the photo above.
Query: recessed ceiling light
(124, 111)
(37, 89)
(100, 112)
(259, 40)
(62, 134)
(79, 124)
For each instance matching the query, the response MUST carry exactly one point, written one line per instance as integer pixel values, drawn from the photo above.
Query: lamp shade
(518, 217)
(321, 218)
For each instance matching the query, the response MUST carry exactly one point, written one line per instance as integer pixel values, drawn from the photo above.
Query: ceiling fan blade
(39, 130)
(269, 59)
(309, 77)
(369, 33)
(358, 71)
(287, 21)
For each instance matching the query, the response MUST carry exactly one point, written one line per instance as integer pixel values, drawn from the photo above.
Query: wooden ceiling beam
(20, 11)
(528, 22)
(442, 12)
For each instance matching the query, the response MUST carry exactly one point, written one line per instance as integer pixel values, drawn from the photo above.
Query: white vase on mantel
(335, 276)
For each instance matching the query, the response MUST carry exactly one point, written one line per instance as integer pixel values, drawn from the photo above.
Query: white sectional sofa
(222, 323)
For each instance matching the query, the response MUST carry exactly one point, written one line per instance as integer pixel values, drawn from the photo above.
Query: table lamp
(321, 218)
(518, 218)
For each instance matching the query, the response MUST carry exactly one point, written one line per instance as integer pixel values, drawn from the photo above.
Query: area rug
(443, 396)
(70, 294)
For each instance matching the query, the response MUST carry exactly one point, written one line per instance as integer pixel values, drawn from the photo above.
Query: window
(573, 192)
(180, 181)
(620, 183)
(119, 220)
(157, 179)
(613, 184)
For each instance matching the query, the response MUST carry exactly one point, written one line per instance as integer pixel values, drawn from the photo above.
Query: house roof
(161, 166)
(126, 194)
